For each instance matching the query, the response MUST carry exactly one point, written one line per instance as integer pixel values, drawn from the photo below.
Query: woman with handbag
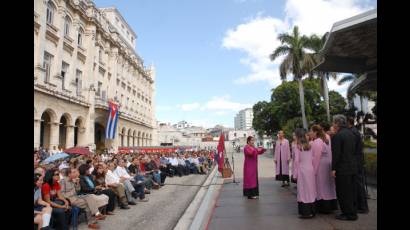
(51, 193)
(250, 169)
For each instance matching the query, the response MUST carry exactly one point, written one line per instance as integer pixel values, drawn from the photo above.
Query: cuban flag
(112, 121)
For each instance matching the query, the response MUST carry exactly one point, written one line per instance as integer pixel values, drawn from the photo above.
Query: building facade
(83, 58)
(243, 120)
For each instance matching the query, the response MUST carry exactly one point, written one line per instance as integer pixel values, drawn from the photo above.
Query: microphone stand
(233, 168)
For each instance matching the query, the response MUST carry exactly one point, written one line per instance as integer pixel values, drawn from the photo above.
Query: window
(67, 25)
(78, 76)
(64, 70)
(47, 66)
(99, 88)
(50, 12)
(80, 37)
(100, 53)
(118, 82)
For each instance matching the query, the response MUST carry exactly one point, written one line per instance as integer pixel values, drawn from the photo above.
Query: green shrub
(369, 144)
(370, 164)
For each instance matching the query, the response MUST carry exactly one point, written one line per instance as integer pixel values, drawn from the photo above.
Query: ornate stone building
(83, 57)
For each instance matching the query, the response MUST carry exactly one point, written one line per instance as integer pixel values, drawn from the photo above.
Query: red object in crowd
(142, 167)
(78, 150)
(221, 149)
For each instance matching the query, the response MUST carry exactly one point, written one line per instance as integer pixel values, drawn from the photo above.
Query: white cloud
(318, 16)
(257, 37)
(342, 89)
(223, 103)
(189, 107)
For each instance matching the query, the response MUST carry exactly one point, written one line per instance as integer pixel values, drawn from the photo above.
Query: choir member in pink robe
(282, 157)
(250, 169)
(293, 156)
(326, 200)
(306, 181)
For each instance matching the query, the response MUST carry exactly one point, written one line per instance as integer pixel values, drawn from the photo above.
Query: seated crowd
(95, 185)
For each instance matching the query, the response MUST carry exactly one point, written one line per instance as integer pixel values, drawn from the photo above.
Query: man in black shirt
(344, 168)
(362, 206)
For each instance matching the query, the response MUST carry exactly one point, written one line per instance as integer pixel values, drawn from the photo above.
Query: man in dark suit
(344, 168)
(361, 199)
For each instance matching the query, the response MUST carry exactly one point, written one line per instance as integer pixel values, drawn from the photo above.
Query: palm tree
(316, 44)
(352, 78)
(295, 61)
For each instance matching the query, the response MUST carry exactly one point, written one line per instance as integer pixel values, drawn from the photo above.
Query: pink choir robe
(250, 167)
(282, 154)
(322, 161)
(305, 173)
(294, 161)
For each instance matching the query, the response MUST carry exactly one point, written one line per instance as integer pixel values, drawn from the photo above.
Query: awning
(366, 82)
(351, 46)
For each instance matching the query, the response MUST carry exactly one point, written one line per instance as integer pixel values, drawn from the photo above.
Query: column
(37, 123)
(54, 133)
(69, 136)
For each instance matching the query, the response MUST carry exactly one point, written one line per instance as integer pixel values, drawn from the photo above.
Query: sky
(211, 57)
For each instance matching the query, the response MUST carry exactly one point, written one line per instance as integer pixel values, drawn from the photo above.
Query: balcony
(52, 34)
(101, 103)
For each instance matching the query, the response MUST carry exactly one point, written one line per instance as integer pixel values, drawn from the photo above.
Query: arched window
(67, 25)
(80, 36)
(50, 12)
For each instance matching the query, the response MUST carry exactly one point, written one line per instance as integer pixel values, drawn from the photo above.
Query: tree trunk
(326, 96)
(362, 109)
(302, 103)
(361, 104)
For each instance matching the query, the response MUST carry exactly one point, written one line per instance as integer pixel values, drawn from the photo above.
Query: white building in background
(181, 125)
(83, 57)
(243, 120)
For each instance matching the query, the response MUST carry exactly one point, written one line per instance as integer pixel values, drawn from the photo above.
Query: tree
(292, 47)
(338, 103)
(283, 111)
(264, 119)
(352, 78)
(316, 44)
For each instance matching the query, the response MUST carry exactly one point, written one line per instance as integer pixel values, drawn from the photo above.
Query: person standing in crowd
(306, 182)
(344, 168)
(250, 169)
(42, 209)
(293, 156)
(326, 201)
(362, 206)
(282, 157)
